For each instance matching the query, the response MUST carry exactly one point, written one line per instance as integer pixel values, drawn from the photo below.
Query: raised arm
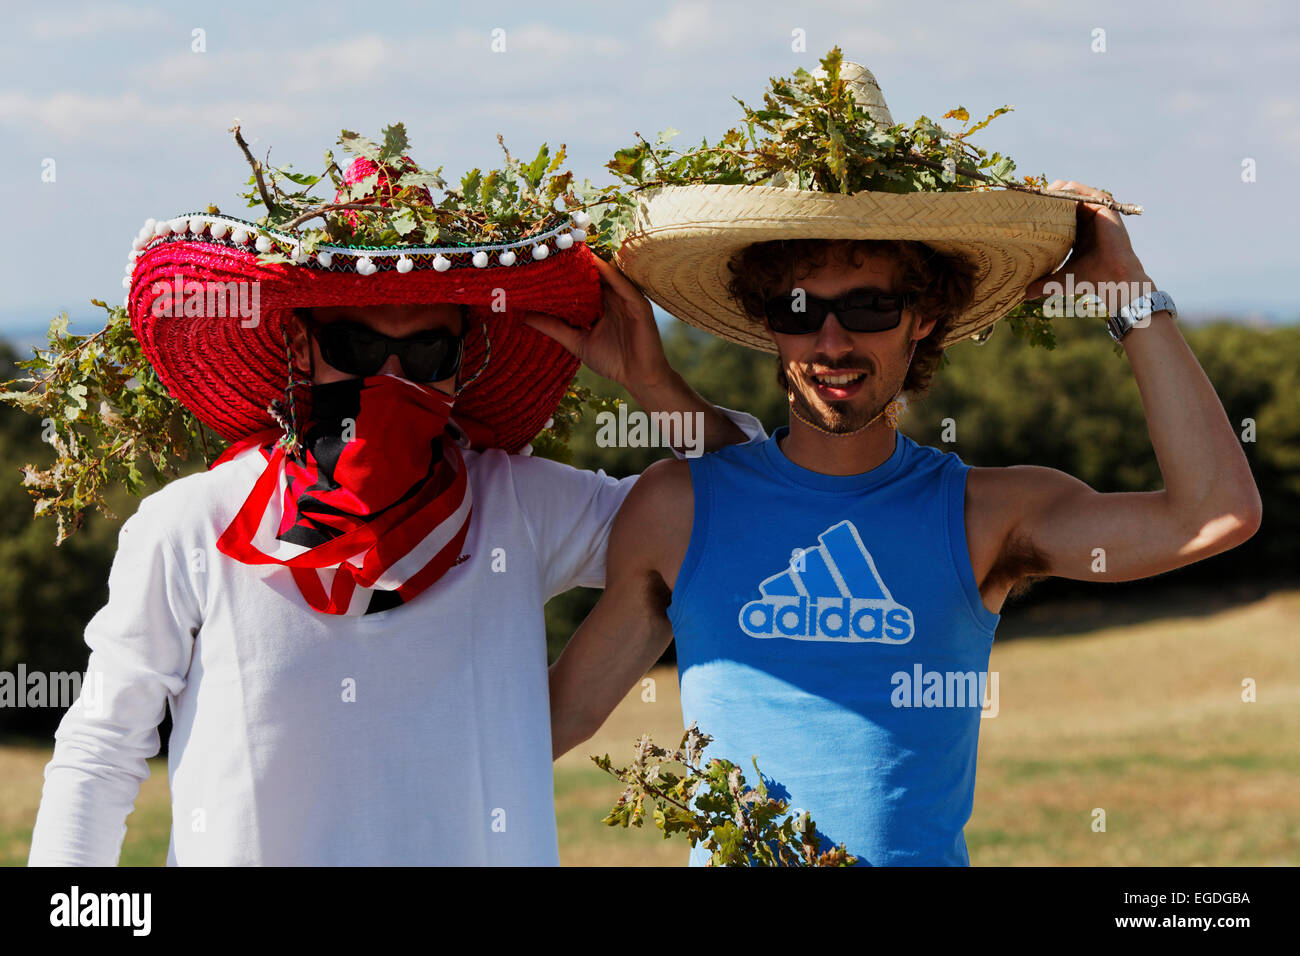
(624, 346)
(1209, 503)
(628, 629)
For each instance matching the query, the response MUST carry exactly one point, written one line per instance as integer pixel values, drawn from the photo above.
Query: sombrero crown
(833, 165)
(209, 294)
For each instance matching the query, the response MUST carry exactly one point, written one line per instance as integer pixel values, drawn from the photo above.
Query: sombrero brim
(684, 236)
(227, 369)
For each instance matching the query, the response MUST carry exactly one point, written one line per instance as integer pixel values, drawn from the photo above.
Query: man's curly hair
(944, 284)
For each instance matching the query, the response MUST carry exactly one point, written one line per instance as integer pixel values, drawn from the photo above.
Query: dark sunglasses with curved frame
(356, 349)
(858, 310)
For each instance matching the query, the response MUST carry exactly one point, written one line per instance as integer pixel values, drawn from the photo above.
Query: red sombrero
(210, 315)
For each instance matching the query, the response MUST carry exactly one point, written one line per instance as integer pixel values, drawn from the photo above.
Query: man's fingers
(1035, 289)
(557, 329)
(618, 283)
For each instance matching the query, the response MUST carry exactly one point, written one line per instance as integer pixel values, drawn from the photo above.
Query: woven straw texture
(684, 236)
(227, 374)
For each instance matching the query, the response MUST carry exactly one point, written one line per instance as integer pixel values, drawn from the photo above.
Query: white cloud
(557, 47)
(1189, 101)
(1281, 117)
(688, 26)
(358, 61)
(126, 116)
(95, 19)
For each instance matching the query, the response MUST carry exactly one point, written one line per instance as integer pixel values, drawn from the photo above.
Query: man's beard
(837, 417)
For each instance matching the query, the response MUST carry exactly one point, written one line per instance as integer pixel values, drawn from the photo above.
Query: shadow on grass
(1124, 604)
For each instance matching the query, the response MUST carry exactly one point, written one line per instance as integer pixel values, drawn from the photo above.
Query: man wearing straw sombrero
(834, 591)
(344, 614)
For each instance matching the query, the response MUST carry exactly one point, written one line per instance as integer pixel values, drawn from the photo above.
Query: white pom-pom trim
(480, 260)
(441, 262)
(218, 230)
(324, 258)
(541, 251)
(405, 264)
(579, 235)
(162, 228)
(196, 225)
(263, 244)
(581, 219)
(365, 267)
(239, 237)
(507, 258)
(564, 240)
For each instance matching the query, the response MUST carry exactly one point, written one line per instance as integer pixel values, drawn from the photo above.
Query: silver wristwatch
(1138, 312)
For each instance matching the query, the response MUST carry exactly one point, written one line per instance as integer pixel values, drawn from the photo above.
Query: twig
(55, 371)
(1128, 209)
(653, 791)
(653, 155)
(330, 207)
(257, 168)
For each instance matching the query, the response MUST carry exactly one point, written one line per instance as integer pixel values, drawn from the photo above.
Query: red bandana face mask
(373, 510)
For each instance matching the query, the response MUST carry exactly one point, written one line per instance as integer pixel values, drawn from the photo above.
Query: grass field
(1143, 720)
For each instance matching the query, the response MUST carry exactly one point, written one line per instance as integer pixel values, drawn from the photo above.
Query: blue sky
(136, 121)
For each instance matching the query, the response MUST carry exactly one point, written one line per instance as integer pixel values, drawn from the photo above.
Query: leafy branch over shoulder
(714, 807)
(553, 442)
(107, 417)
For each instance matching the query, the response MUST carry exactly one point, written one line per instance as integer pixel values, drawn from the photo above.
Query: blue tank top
(832, 627)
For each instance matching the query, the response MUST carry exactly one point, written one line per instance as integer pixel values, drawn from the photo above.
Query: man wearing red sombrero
(344, 614)
(834, 591)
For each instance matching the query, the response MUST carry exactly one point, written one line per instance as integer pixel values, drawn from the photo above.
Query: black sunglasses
(356, 349)
(860, 310)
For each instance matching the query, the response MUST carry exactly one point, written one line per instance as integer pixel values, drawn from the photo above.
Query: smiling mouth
(838, 379)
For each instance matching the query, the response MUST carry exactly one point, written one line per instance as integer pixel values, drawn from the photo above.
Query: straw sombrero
(229, 370)
(683, 237)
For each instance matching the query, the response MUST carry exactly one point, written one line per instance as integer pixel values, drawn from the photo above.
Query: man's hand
(624, 344)
(1102, 250)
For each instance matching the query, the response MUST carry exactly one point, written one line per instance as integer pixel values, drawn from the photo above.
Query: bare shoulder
(653, 528)
(999, 505)
(1012, 493)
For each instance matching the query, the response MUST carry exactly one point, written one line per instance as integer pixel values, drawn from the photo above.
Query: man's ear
(922, 326)
(299, 341)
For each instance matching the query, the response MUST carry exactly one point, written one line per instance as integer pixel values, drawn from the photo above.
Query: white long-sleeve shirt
(418, 735)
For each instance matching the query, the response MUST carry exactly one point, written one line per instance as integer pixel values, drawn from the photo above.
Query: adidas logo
(829, 593)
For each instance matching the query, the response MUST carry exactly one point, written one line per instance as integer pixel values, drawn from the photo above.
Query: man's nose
(392, 366)
(833, 338)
